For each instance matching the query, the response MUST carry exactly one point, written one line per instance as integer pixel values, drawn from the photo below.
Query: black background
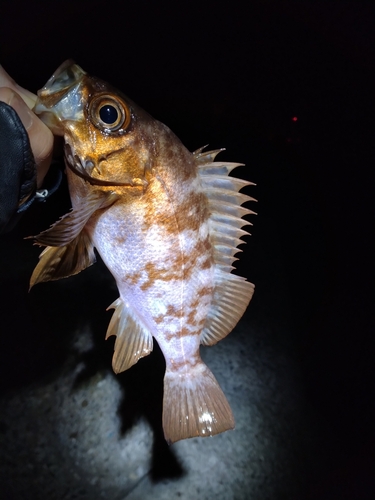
(234, 75)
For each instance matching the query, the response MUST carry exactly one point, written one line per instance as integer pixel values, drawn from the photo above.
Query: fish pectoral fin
(194, 404)
(133, 341)
(231, 297)
(61, 262)
(66, 229)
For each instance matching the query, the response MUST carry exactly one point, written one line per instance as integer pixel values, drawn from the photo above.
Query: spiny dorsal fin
(133, 341)
(66, 229)
(207, 156)
(232, 293)
(61, 262)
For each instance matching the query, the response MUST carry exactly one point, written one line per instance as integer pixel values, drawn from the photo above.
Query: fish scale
(167, 224)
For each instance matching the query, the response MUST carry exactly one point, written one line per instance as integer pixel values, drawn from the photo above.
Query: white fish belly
(165, 279)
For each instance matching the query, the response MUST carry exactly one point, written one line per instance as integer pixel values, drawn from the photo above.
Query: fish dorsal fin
(66, 229)
(133, 341)
(232, 293)
(61, 262)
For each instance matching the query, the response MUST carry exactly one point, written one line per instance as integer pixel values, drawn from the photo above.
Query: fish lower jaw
(85, 168)
(74, 162)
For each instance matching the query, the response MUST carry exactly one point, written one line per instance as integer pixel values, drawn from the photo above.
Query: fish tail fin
(194, 405)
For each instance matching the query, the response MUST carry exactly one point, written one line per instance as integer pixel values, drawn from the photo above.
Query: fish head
(108, 138)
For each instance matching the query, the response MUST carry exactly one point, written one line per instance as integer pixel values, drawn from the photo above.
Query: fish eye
(109, 114)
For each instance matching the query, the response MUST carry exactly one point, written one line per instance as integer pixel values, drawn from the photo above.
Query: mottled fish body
(166, 223)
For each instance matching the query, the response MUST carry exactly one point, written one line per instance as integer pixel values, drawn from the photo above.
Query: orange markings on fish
(166, 223)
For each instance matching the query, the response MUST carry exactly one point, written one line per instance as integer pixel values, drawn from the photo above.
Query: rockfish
(166, 223)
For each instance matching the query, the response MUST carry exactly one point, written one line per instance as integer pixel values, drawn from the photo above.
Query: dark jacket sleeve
(17, 168)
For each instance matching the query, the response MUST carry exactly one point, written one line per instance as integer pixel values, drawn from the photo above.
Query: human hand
(26, 146)
(41, 138)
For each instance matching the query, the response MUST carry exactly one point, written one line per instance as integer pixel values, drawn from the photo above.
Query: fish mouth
(83, 169)
(61, 97)
(67, 76)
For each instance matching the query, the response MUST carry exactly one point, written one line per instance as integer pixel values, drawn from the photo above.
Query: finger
(41, 138)
(7, 81)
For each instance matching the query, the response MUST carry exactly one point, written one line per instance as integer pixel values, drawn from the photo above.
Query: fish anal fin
(64, 261)
(194, 405)
(66, 229)
(133, 341)
(231, 297)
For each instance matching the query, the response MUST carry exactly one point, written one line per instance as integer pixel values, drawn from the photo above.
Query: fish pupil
(108, 114)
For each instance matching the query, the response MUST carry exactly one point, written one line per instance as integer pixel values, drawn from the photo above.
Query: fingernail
(22, 110)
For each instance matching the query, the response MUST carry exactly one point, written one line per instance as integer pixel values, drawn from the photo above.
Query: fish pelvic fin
(61, 262)
(133, 341)
(194, 405)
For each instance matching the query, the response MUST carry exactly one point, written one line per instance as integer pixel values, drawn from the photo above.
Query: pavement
(71, 429)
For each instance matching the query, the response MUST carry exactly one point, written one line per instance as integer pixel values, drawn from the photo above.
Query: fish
(166, 222)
